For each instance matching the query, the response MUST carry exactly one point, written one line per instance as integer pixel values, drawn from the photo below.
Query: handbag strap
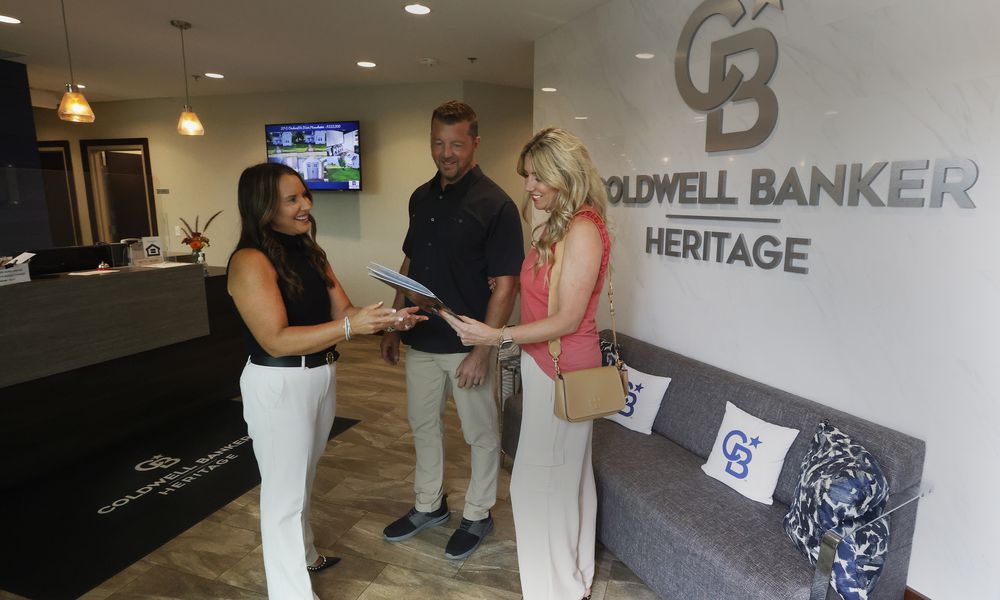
(555, 346)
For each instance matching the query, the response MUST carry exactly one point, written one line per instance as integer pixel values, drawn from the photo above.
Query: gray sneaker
(415, 521)
(467, 537)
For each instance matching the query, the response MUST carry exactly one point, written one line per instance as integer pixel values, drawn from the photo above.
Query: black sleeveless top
(312, 307)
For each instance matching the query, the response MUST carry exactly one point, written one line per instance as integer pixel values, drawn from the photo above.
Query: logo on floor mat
(169, 483)
(157, 462)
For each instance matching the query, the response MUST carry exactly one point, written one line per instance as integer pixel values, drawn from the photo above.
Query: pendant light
(73, 107)
(188, 124)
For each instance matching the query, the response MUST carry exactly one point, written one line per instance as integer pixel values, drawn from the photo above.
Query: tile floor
(364, 481)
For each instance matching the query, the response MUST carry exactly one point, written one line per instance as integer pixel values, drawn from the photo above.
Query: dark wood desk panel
(61, 419)
(71, 321)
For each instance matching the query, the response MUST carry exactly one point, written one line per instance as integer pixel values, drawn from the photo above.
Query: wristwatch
(505, 340)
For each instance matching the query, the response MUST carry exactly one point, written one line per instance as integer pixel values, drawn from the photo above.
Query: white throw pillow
(748, 454)
(645, 392)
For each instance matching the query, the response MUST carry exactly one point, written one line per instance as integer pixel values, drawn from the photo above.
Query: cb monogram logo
(630, 399)
(738, 455)
(730, 84)
(157, 462)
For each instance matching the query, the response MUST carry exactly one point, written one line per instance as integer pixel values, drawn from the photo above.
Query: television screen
(327, 155)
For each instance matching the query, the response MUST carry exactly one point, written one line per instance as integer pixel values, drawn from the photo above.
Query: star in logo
(762, 4)
(638, 388)
(754, 442)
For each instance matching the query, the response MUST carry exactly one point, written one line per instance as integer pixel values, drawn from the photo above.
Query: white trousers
(553, 495)
(289, 412)
(428, 378)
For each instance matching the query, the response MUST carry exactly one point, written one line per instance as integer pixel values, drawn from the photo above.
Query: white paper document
(415, 292)
(164, 265)
(21, 258)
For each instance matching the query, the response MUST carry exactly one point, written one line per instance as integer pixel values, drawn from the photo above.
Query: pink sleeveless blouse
(580, 349)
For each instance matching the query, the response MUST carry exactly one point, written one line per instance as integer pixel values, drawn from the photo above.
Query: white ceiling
(127, 49)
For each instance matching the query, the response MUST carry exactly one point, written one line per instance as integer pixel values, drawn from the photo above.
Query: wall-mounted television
(326, 154)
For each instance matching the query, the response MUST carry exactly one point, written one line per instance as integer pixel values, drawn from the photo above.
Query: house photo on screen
(327, 155)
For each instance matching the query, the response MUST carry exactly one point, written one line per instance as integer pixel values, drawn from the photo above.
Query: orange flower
(194, 238)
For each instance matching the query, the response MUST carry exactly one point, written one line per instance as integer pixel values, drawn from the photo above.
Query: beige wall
(503, 130)
(354, 227)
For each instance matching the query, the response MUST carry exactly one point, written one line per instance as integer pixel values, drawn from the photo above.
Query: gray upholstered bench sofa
(688, 536)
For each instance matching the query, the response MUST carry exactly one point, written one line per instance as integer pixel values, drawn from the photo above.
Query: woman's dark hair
(259, 200)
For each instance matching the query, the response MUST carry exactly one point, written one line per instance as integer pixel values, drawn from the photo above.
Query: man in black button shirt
(464, 232)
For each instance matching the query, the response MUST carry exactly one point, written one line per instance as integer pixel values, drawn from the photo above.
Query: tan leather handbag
(588, 393)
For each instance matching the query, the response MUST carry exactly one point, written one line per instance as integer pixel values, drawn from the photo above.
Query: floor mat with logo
(65, 534)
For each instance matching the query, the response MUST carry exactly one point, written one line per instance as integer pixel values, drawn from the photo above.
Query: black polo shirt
(458, 237)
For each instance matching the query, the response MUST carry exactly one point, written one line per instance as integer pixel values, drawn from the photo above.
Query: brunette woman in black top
(294, 311)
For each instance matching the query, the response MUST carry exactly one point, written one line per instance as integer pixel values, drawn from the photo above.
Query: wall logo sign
(738, 454)
(909, 184)
(730, 84)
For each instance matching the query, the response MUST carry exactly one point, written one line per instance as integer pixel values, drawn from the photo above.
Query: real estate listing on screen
(327, 154)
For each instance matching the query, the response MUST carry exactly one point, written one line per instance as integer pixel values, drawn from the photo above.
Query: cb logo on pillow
(631, 399)
(738, 455)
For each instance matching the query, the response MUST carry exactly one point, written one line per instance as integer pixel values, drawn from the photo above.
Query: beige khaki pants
(553, 495)
(428, 379)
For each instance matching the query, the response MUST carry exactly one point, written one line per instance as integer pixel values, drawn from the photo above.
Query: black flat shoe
(327, 562)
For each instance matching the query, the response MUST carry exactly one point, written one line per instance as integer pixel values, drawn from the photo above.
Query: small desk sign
(16, 274)
(152, 251)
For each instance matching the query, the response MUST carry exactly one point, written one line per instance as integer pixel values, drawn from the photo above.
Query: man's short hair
(453, 111)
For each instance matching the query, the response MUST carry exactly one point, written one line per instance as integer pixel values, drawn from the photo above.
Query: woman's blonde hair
(561, 161)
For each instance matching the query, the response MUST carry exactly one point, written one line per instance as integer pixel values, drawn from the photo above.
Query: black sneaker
(415, 521)
(467, 537)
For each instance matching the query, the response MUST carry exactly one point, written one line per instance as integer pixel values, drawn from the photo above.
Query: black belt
(316, 359)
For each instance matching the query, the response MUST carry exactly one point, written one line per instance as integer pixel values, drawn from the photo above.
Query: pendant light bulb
(189, 123)
(74, 107)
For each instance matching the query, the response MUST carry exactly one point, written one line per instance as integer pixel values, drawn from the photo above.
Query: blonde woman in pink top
(552, 485)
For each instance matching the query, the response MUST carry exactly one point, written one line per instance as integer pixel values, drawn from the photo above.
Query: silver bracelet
(347, 329)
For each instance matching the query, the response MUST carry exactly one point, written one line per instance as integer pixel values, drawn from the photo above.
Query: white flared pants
(289, 412)
(553, 495)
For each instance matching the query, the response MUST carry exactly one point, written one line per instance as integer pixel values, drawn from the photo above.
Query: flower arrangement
(196, 239)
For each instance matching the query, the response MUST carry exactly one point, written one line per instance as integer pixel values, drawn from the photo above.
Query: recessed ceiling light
(366, 64)
(645, 55)
(666, 159)
(416, 9)
(548, 89)
(215, 75)
(580, 118)
(830, 113)
(9, 20)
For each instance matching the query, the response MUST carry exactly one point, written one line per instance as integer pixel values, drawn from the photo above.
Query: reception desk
(87, 361)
